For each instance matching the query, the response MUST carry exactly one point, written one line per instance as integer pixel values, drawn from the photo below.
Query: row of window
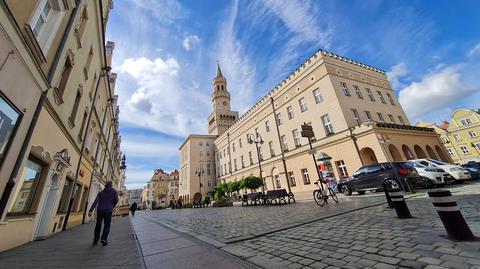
(368, 116)
(458, 137)
(359, 94)
(465, 150)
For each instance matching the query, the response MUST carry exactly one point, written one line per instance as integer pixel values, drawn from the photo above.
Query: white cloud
(166, 11)
(162, 100)
(189, 41)
(474, 51)
(235, 64)
(398, 71)
(438, 90)
(300, 17)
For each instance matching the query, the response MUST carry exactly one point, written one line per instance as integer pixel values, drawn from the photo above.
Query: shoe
(95, 243)
(104, 242)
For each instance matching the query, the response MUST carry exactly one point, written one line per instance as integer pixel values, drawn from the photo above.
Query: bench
(276, 195)
(198, 204)
(252, 197)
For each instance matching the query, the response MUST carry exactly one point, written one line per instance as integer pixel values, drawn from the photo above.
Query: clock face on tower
(225, 103)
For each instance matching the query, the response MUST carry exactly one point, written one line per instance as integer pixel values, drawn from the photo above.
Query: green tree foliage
(252, 182)
(234, 186)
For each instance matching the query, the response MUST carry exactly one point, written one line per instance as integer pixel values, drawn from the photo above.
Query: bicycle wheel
(333, 195)
(318, 197)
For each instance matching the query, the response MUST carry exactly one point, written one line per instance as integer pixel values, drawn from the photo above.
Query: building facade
(135, 196)
(460, 136)
(162, 188)
(74, 146)
(354, 114)
(197, 166)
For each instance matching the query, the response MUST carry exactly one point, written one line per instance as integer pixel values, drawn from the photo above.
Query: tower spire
(219, 71)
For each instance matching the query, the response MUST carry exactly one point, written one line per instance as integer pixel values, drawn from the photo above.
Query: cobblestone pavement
(372, 238)
(73, 249)
(236, 223)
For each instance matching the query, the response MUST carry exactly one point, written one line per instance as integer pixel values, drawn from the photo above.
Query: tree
(253, 182)
(234, 186)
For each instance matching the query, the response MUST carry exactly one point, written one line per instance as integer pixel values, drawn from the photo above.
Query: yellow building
(162, 188)
(351, 107)
(74, 146)
(460, 136)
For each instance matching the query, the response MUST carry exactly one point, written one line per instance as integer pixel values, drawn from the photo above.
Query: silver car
(435, 176)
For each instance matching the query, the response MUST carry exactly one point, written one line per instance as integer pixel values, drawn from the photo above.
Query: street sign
(307, 131)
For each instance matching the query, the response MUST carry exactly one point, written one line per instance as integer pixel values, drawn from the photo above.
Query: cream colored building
(75, 145)
(356, 118)
(197, 154)
(460, 136)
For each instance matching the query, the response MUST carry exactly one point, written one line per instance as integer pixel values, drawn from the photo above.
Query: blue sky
(166, 52)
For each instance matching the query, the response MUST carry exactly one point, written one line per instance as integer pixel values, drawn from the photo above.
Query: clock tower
(222, 117)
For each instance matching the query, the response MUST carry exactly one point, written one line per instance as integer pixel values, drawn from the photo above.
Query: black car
(371, 177)
(475, 165)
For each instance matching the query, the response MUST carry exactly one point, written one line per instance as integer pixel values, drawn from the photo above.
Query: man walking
(133, 208)
(105, 202)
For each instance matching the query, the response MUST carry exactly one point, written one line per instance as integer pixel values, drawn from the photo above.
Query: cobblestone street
(371, 237)
(230, 224)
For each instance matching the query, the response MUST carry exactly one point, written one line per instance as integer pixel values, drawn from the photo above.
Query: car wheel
(361, 192)
(346, 190)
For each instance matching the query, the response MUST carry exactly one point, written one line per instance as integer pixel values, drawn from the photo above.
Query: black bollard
(385, 190)
(399, 204)
(453, 221)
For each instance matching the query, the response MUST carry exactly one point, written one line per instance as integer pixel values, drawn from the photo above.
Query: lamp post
(199, 172)
(257, 139)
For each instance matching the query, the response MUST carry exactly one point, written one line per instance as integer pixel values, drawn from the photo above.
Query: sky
(166, 51)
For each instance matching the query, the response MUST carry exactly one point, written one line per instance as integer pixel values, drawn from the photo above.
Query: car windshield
(405, 165)
(437, 162)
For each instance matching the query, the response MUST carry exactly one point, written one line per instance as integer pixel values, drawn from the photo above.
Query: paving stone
(447, 250)
(366, 263)
(318, 265)
(412, 264)
(407, 256)
(474, 261)
(337, 255)
(295, 266)
(351, 259)
(371, 250)
(430, 266)
(430, 260)
(389, 253)
(306, 261)
(334, 262)
(295, 259)
(384, 266)
(390, 260)
(424, 247)
(374, 257)
(455, 265)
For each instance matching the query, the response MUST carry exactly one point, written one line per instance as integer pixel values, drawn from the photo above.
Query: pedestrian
(104, 203)
(133, 208)
(180, 201)
(171, 205)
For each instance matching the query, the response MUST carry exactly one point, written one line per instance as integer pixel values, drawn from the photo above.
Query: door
(358, 178)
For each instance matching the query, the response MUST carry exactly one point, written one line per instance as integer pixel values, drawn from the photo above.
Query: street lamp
(257, 139)
(199, 172)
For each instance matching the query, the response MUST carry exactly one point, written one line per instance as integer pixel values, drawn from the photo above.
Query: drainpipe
(11, 181)
(281, 146)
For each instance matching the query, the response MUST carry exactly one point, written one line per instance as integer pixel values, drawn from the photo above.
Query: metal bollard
(453, 221)
(399, 204)
(385, 190)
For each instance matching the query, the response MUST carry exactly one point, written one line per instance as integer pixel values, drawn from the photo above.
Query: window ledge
(71, 123)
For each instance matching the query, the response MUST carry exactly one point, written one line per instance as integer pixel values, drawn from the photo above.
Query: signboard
(307, 131)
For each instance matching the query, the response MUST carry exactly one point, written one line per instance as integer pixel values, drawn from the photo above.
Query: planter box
(222, 203)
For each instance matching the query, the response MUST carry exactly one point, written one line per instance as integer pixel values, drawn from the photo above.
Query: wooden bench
(278, 196)
(253, 198)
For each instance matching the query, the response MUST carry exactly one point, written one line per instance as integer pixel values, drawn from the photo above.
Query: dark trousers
(133, 212)
(106, 217)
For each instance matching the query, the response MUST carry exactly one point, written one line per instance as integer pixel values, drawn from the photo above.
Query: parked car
(474, 173)
(475, 165)
(456, 171)
(371, 177)
(433, 175)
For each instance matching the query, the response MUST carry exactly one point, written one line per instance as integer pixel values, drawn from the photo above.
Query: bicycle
(321, 196)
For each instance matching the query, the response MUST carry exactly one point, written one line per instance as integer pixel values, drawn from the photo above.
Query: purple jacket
(105, 201)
